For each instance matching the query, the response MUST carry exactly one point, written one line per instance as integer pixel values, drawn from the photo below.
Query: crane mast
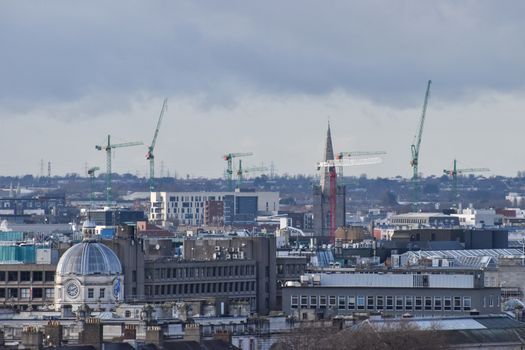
(416, 146)
(91, 173)
(108, 147)
(229, 167)
(454, 173)
(150, 156)
(331, 165)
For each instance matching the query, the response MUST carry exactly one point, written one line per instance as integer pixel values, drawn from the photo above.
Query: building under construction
(329, 198)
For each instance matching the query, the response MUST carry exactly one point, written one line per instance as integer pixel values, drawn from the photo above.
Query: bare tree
(403, 335)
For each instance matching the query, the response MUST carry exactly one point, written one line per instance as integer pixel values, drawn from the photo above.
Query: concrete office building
(239, 208)
(418, 293)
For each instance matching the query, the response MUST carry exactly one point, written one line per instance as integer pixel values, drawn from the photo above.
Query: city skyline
(261, 78)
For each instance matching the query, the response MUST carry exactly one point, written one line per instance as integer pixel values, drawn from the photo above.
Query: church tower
(322, 194)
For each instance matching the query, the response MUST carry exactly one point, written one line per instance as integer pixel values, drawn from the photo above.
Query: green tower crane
(243, 171)
(151, 147)
(229, 169)
(454, 172)
(415, 149)
(108, 147)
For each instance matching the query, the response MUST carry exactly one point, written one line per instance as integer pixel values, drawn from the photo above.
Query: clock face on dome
(72, 290)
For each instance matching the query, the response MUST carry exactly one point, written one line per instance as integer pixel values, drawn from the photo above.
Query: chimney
(224, 335)
(32, 338)
(130, 332)
(53, 334)
(154, 335)
(92, 333)
(192, 332)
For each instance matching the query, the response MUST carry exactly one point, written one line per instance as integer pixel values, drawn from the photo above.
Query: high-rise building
(322, 195)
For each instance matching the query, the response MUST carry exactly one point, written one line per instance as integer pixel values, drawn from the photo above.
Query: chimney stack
(154, 335)
(192, 332)
(92, 334)
(53, 334)
(32, 338)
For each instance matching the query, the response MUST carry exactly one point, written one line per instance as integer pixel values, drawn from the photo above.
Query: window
(2, 276)
(25, 276)
(447, 301)
(294, 302)
(438, 303)
(322, 301)
(491, 302)
(102, 292)
(134, 276)
(91, 293)
(24, 293)
(12, 275)
(304, 301)
(457, 303)
(50, 276)
(390, 302)
(341, 303)
(428, 303)
(127, 314)
(331, 301)
(399, 303)
(419, 303)
(370, 302)
(351, 302)
(409, 303)
(467, 303)
(313, 301)
(380, 302)
(360, 302)
(37, 293)
(50, 293)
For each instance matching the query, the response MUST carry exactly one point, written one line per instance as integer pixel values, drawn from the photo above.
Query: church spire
(328, 155)
(329, 149)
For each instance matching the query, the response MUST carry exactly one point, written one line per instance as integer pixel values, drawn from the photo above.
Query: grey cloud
(382, 50)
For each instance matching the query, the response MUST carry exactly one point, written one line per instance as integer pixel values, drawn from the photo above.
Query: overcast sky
(264, 77)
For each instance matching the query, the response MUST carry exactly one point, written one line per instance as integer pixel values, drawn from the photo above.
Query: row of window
(200, 288)
(27, 293)
(389, 302)
(194, 198)
(27, 276)
(211, 271)
(186, 211)
(294, 269)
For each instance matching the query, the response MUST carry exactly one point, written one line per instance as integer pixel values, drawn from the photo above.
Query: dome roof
(89, 258)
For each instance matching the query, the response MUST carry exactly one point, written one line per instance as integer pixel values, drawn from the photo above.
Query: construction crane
(151, 147)
(355, 154)
(416, 146)
(229, 169)
(332, 165)
(454, 172)
(91, 173)
(242, 171)
(108, 147)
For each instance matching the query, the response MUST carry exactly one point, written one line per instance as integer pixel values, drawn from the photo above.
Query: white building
(477, 217)
(89, 273)
(188, 208)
